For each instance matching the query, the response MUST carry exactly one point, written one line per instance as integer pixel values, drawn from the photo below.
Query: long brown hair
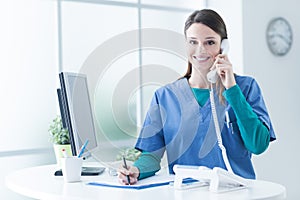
(214, 21)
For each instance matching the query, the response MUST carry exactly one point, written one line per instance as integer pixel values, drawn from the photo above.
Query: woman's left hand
(225, 71)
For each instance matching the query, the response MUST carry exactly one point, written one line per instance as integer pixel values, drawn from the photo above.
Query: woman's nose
(200, 49)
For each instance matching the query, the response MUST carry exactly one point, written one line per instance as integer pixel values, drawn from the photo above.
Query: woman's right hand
(131, 171)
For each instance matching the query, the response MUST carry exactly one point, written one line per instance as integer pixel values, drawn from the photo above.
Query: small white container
(71, 168)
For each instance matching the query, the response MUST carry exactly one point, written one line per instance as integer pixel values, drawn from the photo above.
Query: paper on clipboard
(154, 181)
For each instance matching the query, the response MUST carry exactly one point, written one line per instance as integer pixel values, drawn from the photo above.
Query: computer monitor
(76, 111)
(77, 117)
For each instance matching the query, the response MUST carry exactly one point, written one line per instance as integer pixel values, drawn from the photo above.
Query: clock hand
(283, 38)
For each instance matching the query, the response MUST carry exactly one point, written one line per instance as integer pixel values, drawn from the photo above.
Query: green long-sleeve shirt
(254, 133)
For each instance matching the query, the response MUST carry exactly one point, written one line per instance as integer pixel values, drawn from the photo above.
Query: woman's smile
(201, 59)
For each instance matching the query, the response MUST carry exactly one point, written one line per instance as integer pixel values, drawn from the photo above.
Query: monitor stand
(86, 171)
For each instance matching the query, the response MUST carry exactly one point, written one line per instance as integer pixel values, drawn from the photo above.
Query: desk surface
(40, 183)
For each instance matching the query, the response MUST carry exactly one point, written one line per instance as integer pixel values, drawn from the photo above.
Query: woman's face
(203, 45)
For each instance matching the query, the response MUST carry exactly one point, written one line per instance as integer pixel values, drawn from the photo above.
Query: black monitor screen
(76, 110)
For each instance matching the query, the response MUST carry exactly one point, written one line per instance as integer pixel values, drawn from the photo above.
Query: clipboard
(155, 181)
(133, 187)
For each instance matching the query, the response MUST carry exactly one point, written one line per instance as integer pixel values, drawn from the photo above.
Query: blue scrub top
(175, 123)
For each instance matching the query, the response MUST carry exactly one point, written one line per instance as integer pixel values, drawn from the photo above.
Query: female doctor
(179, 121)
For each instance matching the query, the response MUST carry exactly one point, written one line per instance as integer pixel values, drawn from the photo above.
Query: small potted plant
(60, 138)
(129, 153)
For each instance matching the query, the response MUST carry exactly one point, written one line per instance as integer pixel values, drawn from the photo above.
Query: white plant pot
(58, 149)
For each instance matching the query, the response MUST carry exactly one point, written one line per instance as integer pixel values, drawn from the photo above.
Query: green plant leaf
(58, 134)
(129, 153)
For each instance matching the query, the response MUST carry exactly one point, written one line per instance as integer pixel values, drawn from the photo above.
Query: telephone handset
(212, 76)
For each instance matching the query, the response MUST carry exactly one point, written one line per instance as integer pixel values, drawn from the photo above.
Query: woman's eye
(193, 42)
(210, 42)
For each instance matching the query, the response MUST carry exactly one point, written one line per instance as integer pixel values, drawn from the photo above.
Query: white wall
(27, 84)
(278, 78)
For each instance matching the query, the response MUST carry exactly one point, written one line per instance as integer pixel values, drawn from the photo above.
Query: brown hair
(214, 21)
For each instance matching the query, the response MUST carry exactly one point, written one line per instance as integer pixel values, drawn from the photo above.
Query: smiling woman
(179, 121)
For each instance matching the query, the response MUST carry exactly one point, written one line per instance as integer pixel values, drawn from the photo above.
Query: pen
(83, 148)
(125, 166)
(227, 119)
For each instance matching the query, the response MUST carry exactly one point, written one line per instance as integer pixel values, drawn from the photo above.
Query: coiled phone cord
(217, 128)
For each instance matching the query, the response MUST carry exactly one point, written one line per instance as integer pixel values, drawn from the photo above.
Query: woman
(180, 122)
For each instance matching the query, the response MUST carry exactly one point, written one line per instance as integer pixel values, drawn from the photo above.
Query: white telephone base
(218, 179)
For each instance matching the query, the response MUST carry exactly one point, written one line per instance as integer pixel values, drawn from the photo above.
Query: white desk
(40, 183)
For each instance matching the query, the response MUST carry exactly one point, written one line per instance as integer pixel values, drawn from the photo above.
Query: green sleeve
(148, 164)
(254, 133)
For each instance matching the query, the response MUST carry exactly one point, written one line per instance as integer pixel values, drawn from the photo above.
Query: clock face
(279, 36)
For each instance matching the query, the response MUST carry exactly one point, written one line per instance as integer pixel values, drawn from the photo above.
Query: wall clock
(279, 36)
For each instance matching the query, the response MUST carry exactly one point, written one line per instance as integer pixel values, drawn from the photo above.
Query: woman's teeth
(201, 58)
